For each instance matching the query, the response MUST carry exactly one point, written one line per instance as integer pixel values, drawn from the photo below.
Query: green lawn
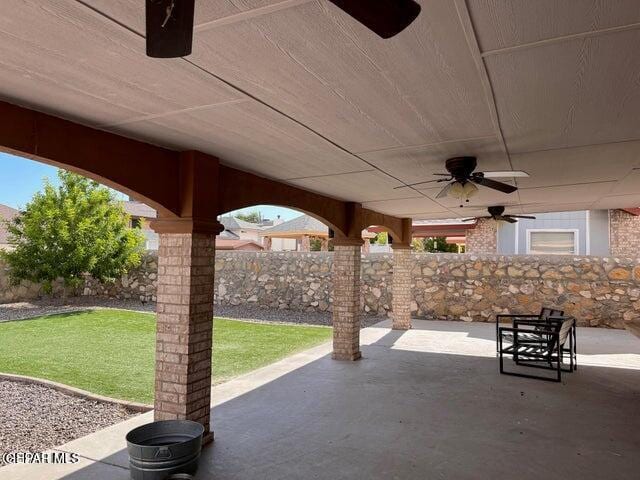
(111, 352)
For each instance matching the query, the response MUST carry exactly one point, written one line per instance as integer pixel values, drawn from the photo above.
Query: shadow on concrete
(401, 414)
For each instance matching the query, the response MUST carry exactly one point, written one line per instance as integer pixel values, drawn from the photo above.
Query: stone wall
(598, 291)
(24, 290)
(483, 239)
(624, 233)
(140, 284)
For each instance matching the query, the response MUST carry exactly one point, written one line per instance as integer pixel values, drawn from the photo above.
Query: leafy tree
(67, 231)
(254, 216)
(381, 238)
(315, 244)
(439, 244)
(417, 245)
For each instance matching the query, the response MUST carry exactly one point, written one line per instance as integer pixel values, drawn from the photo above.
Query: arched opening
(277, 228)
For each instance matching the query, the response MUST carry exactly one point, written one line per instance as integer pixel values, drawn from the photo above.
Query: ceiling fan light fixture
(469, 190)
(456, 190)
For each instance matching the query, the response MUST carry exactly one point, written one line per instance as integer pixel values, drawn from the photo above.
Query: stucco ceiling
(297, 91)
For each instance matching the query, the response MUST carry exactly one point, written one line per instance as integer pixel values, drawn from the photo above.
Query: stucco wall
(598, 291)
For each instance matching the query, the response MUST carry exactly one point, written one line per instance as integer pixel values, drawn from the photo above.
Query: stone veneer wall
(598, 291)
(483, 239)
(624, 233)
(24, 290)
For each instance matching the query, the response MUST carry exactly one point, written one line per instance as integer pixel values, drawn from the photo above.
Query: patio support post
(184, 327)
(401, 282)
(186, 267)
(346, 299)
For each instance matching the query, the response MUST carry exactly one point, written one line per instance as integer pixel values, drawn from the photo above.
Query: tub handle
(163, 453)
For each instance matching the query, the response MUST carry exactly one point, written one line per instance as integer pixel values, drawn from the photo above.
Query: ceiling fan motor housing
(496, 211)
(461, 168)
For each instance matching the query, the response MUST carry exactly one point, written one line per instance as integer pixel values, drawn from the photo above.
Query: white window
(552, 242)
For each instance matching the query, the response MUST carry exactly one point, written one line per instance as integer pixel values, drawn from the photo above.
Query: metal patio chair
(545, 312)
(539, 343)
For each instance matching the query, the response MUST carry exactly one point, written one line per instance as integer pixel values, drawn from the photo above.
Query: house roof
(229, 244)
(6, 213)
(139, 209)
(233, 223)
(302, 225)
(228, 235)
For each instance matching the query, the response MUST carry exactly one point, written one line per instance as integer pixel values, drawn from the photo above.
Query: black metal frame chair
(545, 312)
(539, 343)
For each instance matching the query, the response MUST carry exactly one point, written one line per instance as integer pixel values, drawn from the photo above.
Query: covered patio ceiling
(296, 91)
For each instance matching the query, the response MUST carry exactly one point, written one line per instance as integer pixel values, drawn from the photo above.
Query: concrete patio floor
(426, 403)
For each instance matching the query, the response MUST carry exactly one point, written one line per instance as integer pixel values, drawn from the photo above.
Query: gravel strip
(36, 418)
(35, 308)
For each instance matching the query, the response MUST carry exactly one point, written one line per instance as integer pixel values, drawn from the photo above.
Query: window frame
(576, 239)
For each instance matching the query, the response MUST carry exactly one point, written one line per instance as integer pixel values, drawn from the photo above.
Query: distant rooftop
(233, 223)
(6, 213)
(302, 225)
(139, 209)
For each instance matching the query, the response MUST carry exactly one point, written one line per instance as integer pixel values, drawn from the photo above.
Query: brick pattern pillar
(401, 287)
(184, 327)
(305, 244)
(483, 239)
(624, 233)
(346, 302)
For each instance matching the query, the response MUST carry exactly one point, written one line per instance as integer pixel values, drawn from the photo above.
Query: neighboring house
(6, 214)
(242, 229)
(586, 232)
(454, 230)
(296, 235)
(141, 216)
(237, 235)
(230, 241)
(556, 233)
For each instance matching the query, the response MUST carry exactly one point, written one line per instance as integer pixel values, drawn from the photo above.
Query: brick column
(401, 287)
(483, 239)
(184, 327)
(624, 233)
(305, 244)
(346, 300)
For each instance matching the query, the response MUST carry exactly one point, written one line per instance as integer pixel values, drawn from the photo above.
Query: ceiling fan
(170, 22)
(497, 213)
(462, 179)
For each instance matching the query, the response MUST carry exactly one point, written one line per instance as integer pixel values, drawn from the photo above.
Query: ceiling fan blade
(420, 183)
(169, 28)
(443, 193)
(501, 187)
(386, 18)
(506, 218)
(523, 216)
(506, 174)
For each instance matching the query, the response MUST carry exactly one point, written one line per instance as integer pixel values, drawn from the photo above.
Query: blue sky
(21, 178)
